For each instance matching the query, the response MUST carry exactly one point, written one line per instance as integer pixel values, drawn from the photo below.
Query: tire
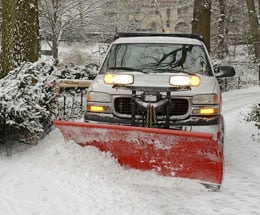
(212, 187)
(222, 130)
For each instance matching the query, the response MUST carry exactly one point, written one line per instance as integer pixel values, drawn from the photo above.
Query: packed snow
(57, 177)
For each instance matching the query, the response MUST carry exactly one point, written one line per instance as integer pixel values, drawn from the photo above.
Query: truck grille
(179, 106)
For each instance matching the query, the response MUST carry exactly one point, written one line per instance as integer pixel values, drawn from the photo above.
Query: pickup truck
(159, 80)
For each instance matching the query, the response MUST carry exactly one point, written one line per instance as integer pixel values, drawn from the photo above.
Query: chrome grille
(179, 106)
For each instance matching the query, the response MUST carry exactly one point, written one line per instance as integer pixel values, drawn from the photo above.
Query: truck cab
(159, 80)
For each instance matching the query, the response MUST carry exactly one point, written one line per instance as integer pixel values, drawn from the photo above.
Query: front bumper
(192, 123)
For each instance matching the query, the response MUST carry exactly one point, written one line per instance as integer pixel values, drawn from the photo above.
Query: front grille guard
(148, 109)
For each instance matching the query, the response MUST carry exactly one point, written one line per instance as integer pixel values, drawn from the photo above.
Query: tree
(58, 16)
(0, 16)
(201, 20)
(254, 24)
(0, 35)
(221, 31)
(259, 7)
(20, 33)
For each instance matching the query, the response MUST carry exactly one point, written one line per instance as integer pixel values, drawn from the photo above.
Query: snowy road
(57, 178)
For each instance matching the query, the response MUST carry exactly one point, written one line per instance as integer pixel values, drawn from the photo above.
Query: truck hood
(208, 84)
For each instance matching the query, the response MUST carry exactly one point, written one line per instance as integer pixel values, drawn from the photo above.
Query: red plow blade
(169, 152)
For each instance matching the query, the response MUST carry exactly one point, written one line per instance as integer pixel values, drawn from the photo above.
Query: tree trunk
(258, 15)
(8, 30)
(55, 48)
(253, 19)
(258, 7)
(221, 29)
(55, 30)
(20, 33)
(201, 20)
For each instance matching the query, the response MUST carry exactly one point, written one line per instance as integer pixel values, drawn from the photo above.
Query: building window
(179, 12)
(168, 12)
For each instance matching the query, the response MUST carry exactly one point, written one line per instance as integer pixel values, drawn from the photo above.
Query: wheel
(212, 187)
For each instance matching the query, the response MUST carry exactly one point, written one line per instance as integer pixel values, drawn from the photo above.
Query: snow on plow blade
(169, 152)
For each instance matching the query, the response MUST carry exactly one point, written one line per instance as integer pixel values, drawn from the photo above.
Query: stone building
(149, 15)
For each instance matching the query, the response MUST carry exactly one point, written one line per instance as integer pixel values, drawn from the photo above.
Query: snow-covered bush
(28, 102)
(254, 115)
(72, 72)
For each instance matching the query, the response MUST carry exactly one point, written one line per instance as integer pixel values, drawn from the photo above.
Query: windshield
(158, 58)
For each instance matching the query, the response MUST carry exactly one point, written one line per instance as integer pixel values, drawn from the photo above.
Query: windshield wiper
(127, 69)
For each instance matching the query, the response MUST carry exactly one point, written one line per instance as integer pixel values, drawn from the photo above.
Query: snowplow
(155, 105)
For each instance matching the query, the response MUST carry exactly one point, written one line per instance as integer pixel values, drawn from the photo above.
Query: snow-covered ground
(58, 178)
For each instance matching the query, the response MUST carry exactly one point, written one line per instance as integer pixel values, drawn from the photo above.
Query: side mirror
(224, 71)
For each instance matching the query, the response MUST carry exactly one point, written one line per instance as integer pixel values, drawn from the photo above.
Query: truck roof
(158, 39)
(146, 37)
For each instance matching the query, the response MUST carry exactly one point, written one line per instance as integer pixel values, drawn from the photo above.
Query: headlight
(121, 79)
(98, 97)
(185, 80)
(205, 99)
